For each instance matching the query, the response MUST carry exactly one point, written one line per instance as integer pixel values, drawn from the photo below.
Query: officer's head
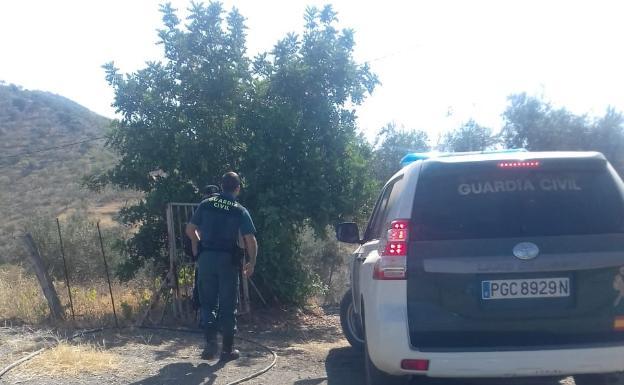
(210, 191)
(230, 183)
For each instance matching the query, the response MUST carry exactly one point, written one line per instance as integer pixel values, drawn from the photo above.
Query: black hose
(182, 330)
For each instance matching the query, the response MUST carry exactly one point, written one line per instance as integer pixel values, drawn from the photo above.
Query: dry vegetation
(21, 300)
(72, 360)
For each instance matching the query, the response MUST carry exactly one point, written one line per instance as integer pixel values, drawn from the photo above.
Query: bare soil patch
(18, 342)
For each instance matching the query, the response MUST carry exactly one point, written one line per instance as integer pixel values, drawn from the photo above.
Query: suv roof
(414, 161)
(519, 156)
(510, 155)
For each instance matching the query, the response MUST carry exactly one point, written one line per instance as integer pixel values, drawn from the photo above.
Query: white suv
(500, 264)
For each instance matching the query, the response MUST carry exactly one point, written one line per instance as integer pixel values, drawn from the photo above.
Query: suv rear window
(488, 202)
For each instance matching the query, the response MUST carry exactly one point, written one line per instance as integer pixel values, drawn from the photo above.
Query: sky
(441, 62)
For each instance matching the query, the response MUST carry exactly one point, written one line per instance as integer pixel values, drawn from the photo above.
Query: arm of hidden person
(251, 244)
(192, 232)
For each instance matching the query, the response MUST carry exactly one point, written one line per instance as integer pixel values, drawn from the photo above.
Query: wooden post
(171, 235)
(56, 310)
(246, 308)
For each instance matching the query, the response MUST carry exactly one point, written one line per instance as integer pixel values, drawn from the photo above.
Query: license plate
(525, 288)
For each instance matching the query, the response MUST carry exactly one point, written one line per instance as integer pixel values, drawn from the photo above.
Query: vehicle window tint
(371, 221)
(393, 198)
(376, 226)
(502, 204)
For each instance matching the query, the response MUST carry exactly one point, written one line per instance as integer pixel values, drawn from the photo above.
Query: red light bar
(527, 164)
(419, 365)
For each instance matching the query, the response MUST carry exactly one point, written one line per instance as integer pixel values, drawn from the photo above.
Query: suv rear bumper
(510, 364)
(388, 344)
(527, 363)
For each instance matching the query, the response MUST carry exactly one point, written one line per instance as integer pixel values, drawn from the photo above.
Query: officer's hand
(248, 270)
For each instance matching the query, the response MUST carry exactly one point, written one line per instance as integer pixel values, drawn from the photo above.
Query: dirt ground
(310, 349)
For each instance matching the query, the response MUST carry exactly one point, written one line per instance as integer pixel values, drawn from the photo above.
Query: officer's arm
(192, 231)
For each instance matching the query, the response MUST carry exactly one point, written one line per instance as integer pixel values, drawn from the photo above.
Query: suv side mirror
(348, 232)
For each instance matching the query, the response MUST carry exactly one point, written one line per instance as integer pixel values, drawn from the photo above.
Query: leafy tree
(607, 136)
(285, 121)
(535, 125)
(469, 137)
(180, 116)
(305, 164)
(391, 145)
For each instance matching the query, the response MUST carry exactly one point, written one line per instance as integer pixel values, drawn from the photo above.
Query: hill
(40, 165)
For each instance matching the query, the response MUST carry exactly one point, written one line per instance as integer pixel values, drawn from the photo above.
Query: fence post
(110, 288)
(56, 310)
(173, 274)
(71, 302)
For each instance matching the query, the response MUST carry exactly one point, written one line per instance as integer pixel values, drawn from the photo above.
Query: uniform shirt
(246, 224)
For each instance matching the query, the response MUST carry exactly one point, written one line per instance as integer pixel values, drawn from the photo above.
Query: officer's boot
(211, 349)
(228, 353)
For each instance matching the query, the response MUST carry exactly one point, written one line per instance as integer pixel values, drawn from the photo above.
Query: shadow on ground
(183, 373)
(344, 366)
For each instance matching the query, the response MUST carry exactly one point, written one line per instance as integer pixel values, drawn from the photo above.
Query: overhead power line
(26, 153)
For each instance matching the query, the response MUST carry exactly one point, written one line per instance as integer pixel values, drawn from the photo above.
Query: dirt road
(310, 348)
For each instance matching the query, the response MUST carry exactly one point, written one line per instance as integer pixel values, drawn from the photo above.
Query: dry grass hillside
(37, 181)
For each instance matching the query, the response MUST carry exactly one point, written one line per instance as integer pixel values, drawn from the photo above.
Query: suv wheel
(599, 379)
(350, 322)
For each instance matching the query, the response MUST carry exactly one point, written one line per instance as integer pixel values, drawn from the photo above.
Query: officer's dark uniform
(220, 220)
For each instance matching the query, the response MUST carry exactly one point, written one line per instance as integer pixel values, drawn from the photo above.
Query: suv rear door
(467, 290)
(371, 238)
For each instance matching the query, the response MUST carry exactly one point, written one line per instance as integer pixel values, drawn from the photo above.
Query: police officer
(219, 220)
(208, 191)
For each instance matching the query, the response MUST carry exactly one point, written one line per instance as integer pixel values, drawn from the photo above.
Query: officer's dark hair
(230, 181)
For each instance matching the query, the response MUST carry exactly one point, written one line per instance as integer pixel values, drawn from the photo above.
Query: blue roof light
(415, 156)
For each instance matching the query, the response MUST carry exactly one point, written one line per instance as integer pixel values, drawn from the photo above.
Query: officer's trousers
(218, 291)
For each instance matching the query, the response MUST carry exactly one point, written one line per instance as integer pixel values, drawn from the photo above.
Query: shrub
(81, 243)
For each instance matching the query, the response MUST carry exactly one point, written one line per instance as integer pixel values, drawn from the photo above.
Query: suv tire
(599, 379)
(350, 322)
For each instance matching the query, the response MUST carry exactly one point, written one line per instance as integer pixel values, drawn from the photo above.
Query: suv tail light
(393, 262)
